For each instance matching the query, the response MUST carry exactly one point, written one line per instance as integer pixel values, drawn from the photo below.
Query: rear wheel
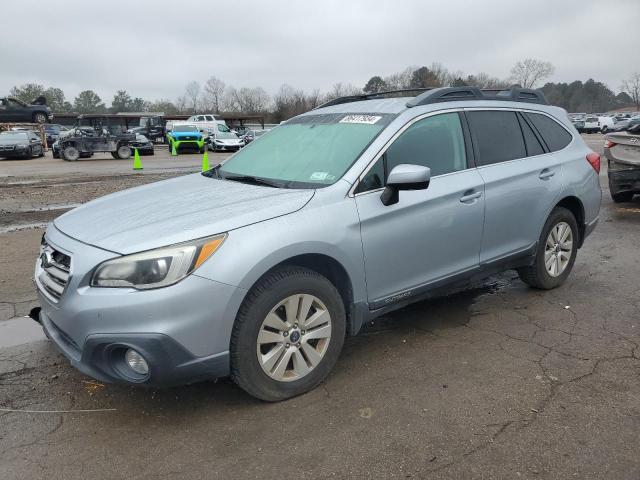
(123, 152)
(556, 252)
(288, 334)
(70, 153)
(622, 197)
(39, 117)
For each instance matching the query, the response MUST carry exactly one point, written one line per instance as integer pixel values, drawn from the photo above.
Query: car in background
(606, 123)
(94, 134)
(207, 123)
(20, 144)
(152, 127)
(622, 150)
(252, 135)
(591, 124)
(225, 141)
(142, 144)
(183, 136)
(13, 110)
(53, 131)
(578, 124)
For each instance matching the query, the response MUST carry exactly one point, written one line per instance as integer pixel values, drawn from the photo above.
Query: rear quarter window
(555, 136)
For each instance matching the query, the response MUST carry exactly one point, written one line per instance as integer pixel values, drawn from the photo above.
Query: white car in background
(606, 123)
(591, 124)
(206, 122)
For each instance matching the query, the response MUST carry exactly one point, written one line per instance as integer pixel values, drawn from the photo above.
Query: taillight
(608, 143)
(594, 160)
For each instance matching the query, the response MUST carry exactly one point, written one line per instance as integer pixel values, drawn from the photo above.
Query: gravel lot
(500, 381)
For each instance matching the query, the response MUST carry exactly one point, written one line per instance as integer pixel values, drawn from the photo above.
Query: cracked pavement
(499, 381)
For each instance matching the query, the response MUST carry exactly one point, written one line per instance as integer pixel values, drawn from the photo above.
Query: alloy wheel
(294, 337)
(558, 249)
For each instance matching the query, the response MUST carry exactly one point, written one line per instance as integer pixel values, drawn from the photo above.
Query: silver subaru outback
(258, 268)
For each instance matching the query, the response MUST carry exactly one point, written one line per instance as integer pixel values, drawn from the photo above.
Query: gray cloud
(153, 48)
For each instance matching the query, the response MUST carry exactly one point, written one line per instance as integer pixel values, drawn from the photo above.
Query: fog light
(136, 362)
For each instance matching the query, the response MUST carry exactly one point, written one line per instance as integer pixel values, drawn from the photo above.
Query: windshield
(308, 151)
(13, 136)
(226, 135)
(184, 128)
(223, 128)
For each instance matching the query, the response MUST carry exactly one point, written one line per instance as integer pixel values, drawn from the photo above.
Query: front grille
(53, 272)
(4, 148)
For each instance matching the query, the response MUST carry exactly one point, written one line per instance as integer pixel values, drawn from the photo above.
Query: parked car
(606, 123)
(591, 125)
(579, 125)
(152, 127)
(259, 267)
(622, 150)
(95, 133)
(207, 123)
(14, 110)
(183, 136)
(225, 141)
(142, 144)
(52, 132)
(20, 144)
(252, 135)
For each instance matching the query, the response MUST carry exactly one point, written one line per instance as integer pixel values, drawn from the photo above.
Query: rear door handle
(470, 196)
(546, 174)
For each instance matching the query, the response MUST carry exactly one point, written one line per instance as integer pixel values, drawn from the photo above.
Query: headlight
(21, 147)
(156, 268)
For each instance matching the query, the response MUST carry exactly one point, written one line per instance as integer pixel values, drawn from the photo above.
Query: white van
(606, 123)
(591, 124)
(206, 122)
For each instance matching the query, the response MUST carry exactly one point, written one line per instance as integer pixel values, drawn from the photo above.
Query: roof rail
(452, 94)
(368, 96)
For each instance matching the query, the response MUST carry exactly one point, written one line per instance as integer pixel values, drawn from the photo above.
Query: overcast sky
(154, 48)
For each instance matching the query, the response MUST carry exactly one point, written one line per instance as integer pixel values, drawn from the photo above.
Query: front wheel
(556, 252)
(39, 117)
(288, 334)
(70, 153)
(123, 152)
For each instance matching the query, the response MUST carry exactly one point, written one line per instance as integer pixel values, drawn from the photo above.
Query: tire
(29, 154)
(41, 154)
(40, 117)
(622, 197)
(604, 129)
(298, 285)
(123, 152)
(70, 153)
(537, 275)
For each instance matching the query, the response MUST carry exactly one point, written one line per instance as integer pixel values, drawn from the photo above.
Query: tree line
(216, 96)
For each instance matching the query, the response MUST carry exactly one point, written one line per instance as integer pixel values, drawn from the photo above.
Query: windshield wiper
(254, 180)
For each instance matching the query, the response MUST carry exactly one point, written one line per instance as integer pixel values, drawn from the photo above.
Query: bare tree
(484, 80)
(528, 72)
(631, 87)
(400, 80)
(181, 103)
(246, 100)
(214, 90)
(192, 92)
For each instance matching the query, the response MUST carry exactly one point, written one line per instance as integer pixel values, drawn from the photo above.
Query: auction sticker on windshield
(368, 119)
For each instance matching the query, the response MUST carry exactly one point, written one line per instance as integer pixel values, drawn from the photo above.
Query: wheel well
(574, 205)
(327, 267)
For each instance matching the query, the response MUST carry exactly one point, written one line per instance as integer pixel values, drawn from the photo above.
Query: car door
(430, 235)
(522, 181)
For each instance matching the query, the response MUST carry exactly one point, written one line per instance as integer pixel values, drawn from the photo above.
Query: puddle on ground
(18, 331)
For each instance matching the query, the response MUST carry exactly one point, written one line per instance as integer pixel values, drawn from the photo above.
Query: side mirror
(405, 177)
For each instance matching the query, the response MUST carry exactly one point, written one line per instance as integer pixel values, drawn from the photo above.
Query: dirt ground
(500, 381)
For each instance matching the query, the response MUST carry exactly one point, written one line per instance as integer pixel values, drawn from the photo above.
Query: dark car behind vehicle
(20, 144)
(14, 110)
(142, 144)
(622, 150)
(52, 132)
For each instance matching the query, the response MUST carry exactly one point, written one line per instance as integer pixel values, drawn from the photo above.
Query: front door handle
(546, 174)
(470, 196)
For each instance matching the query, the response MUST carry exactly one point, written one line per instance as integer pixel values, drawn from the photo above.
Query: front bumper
(183, 330)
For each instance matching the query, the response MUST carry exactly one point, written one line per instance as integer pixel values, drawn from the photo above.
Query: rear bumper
(101, 357)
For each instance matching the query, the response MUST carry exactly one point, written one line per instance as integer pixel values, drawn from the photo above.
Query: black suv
(13, 110)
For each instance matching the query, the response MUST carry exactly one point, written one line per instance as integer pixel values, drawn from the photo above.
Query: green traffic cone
(137, 163)
(205, 160)
(173, 149)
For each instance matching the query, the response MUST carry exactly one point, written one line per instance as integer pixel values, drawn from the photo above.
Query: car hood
(6, 141)
(228, 141)
(174, 211)
(185, 134)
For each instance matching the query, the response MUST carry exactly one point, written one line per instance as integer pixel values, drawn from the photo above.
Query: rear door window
(497, 136)
(555, 136)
